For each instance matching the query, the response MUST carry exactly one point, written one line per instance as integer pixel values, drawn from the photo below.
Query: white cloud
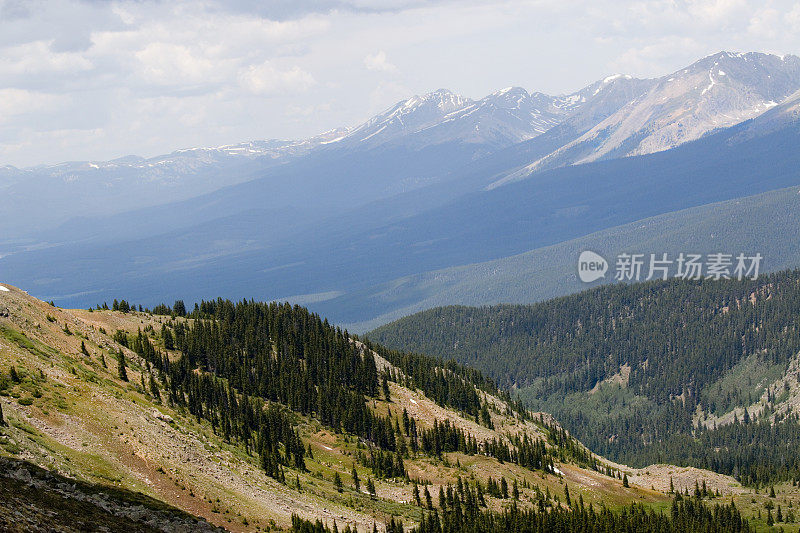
(16, 102)
(766, 22)
(171, 64)
(658, 57)
(386, 94)
(717, 12)
(386, 4)
(307, 111)
(266, 79)
(37, 57)
(57, 140)
(377, 61)
(793, 18)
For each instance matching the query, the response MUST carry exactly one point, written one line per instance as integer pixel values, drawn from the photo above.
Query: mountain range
(716, 92)
(438, 181)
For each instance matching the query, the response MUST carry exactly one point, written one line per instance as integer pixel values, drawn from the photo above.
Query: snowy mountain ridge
(617, 116)
(715, 92)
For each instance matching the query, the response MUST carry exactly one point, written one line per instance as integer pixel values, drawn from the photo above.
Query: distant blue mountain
(765, 223)
(414, 190)
(357, 249)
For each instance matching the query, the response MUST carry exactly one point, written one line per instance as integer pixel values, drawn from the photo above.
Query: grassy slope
(71, 415)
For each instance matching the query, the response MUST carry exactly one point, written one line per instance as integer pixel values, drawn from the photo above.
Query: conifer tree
(385, 385)
(179, 308)
(169, 343)
(459, 516)
(356, 481)
(485, 417)
(154, 392)
(122, 367)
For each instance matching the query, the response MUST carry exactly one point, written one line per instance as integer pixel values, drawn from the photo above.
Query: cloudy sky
(84, 80)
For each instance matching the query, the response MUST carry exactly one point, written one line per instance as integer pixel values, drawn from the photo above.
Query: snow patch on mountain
(502, 118)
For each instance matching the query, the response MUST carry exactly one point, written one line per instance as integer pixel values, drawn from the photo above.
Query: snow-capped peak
(613, 77)
(442, 98)
(508, 93)
(718, 91)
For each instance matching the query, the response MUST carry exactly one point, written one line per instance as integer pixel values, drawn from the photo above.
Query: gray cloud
(14, 10)
(292, 9)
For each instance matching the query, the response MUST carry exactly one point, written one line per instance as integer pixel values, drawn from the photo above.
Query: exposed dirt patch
(683, 478)
(620, 378)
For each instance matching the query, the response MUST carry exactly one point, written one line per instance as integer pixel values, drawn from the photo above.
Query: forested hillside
(250, 353)
(248, 413)
(645, 373)
(461, 514)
